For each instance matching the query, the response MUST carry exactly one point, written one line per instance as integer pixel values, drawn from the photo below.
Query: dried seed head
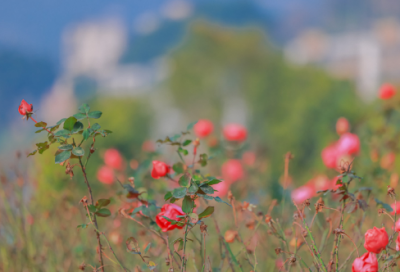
(307, 203)
(230, 236)
(167, 261)
(292, 259)
(278, 250)
(319, 205)
(82, 266)
(391, 192)
(268, 219)
(245, 205)
(84, 201)
(328, 220)
(381, 211)
(203, 227)
(230, 196)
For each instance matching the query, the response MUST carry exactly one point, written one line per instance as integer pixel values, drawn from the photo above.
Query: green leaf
(65, 147)
(167, 196)
(69, 123)
(63, 156)
(214, 181)
(41, 124)
(207, 212)
(84, 108)
(187, 205)
(77, 127)
(187, 142)
(95, 114)
(178, 168)
(103, 212)
(172, 221)
(102, 203)
(32, 153)
(193, 188)
(147, 248)
(207, 197)
(96, 126)
(203, 159)
(61, 121)
(85, 134)
(184, 180)
(191, 125)
(62, 132)
(207, 189)
(83, 226)
(80, 116)
(92, 208)
(179, 192)
(78, 151)
(384, 205)
(183, 151)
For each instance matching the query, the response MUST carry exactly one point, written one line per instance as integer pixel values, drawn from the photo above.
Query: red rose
(366, 263)
(105, 175)
(342, 126)
(160, 169)
(376, 240)
(387, 91)
(398, 243)
(25, 108)
(235, 132)
(302, 193)
(170, 211)
(203, 128)
(330, 156)
(113, 158)
(232, 170)
(348, 144)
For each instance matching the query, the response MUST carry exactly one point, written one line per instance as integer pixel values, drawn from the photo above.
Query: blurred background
(286, 70)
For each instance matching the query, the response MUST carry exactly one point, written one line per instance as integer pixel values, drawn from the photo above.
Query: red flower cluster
(170, 211)
(113, 161)
(203, 128)
(347, 145)
(366, 263)
(160, 169)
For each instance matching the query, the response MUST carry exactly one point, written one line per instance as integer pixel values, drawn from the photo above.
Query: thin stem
(94, 216)
(183, 265)
(42, 127)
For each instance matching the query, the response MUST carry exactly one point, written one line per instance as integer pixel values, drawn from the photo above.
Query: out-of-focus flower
(387, 160)
(105, 174)
(25, 108)
(232, 170)
(249, 158)
(330, 156)
(397, 225)
(394, 180)
(386, 91)
(302, 193)
(160, 169)
(235, 132)
(348, 144)
(321, 183)
(376, 240)
(115, 237)
(203, 128)
(342, 126)
(396, 209)
(222, 188)
(170, 211)
(398, 242)
(148, 146)
(230, 236)
(113, 158)
(366, 263)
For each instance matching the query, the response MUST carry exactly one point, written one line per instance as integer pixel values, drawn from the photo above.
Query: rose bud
(203, 128)
(386, 91)
(105, 175)
(232, 170)
(160, 169)
(366, 263)
(25, 108)
(342, 126)
(376, 240)
(398, 243)
(113, 158)
(235, 132)
(170, 211)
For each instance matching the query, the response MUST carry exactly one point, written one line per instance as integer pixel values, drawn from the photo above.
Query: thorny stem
(94, 216)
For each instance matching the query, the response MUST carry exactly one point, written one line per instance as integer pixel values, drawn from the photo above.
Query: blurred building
(367, 57)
